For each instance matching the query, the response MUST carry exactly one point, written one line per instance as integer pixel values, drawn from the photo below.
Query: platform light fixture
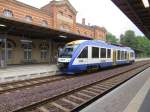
(26, 41)
(2, 25)
(146, 3)
(62, 36)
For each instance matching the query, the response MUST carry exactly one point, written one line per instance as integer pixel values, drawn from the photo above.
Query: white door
(9, 55)
(28, 55)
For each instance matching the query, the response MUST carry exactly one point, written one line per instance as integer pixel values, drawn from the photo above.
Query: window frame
(131, 54)
(8, 13)
(109, 49)
(118, 54)
(125, 55)
(97, 55)
(101, 53)
(81, 52)
(28, 18)
(44, 23)
(61, 13)
(44, 54)
(121, 55)
(70, 16)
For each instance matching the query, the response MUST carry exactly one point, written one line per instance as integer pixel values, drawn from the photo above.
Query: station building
(31, 35)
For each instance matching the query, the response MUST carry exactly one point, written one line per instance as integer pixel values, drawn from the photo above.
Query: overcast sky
(97, 12)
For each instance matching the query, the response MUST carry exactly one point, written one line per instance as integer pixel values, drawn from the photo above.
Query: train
(87, 55)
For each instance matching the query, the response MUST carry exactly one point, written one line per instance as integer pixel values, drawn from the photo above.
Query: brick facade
(57, 14)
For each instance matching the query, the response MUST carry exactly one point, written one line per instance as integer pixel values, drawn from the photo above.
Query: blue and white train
(86, 55)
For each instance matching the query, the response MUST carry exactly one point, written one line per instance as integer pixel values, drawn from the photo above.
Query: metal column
(6, 53)
(3, 61)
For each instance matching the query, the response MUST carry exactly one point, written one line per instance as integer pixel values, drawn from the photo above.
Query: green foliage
(111, 38)
(140, 44)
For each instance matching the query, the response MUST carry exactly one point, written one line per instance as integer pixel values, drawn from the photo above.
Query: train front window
(67, 52)
(84, 53)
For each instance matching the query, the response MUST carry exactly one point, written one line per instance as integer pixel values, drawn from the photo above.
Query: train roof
(101, 43)
(76, 42)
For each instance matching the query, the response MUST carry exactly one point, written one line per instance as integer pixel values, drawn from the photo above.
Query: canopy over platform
(12, 26)
(137, 13)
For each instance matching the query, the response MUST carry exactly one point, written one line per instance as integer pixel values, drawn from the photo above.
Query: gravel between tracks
(17, 99)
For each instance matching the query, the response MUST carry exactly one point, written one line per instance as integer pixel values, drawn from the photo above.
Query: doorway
(114, 57)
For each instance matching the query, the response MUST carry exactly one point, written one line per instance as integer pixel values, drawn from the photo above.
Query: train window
(103, 53)
(95, 52)
(84, 53)
(118, 55)
(122, 55)
(131, 54)
(125, 54)
(108, 53)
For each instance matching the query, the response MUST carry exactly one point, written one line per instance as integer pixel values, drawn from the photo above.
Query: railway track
(12, 86)
(18, 85)
(77, 98)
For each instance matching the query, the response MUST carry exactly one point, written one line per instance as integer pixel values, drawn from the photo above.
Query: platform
(142, 59)
(132, 96)
(23, 72)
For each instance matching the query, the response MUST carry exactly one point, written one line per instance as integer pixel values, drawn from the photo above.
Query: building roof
(100, 28)
(85, 26)
(137, 13)
(92, 27)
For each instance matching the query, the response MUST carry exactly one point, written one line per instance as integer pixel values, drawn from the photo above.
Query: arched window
(10, 46)
(61, 13)
(65, 27)
(70, 16)
(28, 18)
(44, 23)
(8, 13)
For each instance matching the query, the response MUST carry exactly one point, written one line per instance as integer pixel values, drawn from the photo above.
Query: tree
(111, 38)
(143, 44)
(139, 43)
(129, 39)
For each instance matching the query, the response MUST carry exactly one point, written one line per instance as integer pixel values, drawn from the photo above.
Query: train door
(114, 57)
